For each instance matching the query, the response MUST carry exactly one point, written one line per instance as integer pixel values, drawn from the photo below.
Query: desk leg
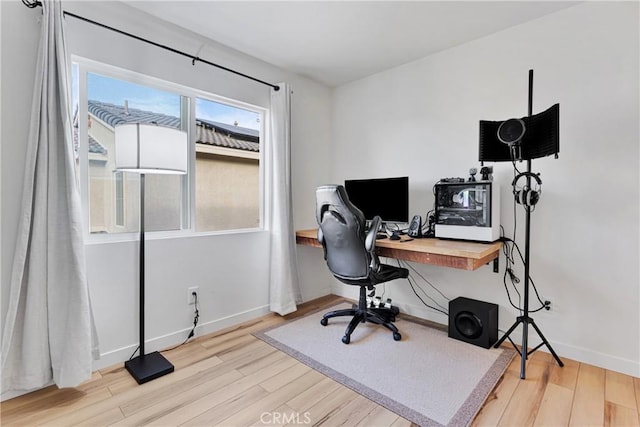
(496, 265)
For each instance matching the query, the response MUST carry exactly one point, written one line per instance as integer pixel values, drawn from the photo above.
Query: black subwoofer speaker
(473, 321)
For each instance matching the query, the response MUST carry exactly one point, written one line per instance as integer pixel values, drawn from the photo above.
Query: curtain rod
(32, 4)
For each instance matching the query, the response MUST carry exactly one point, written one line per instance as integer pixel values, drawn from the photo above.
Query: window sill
(162, 235)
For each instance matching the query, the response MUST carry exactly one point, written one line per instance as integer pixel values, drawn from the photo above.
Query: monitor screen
(385, 197)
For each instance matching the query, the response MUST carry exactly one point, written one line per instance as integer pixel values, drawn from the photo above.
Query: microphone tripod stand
(524, 319)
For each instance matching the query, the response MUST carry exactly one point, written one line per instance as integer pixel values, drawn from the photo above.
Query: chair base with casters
(362, 314)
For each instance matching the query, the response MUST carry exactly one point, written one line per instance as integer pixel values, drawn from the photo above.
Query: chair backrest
(342, 232)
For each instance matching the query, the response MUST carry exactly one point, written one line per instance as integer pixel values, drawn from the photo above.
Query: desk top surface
(454, 248)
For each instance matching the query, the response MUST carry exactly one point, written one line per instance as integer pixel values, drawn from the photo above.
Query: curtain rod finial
(31, 3)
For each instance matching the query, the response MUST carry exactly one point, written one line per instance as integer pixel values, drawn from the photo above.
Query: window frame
(120, 200)
(188, 112)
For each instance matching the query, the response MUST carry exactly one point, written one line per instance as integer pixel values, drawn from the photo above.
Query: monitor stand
(384, 232)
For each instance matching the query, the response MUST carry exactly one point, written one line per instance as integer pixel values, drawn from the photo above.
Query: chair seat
(385, 273)
(388, 272)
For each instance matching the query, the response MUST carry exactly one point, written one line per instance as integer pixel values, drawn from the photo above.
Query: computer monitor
(385, 197)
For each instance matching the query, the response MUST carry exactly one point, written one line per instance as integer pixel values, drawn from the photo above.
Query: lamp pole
(142, 278)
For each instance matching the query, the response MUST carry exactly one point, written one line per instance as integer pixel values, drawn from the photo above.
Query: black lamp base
(148, 367)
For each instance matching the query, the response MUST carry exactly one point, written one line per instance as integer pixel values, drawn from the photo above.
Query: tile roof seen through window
(96, 147)
(207, 131)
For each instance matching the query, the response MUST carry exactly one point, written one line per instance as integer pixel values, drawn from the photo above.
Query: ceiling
(335, 42)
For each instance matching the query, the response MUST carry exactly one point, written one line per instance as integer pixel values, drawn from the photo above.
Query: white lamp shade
(149, 148)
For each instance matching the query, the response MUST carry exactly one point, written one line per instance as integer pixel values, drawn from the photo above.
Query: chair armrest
(321, 240)
(370, 239)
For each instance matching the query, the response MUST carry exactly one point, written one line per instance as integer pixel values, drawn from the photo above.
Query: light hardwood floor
(230, 378)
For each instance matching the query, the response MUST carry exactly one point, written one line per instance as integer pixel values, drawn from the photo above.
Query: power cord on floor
(134, 352)
(196, 317)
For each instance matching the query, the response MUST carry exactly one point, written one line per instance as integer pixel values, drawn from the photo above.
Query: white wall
(17, 74)
(231, 270)
(421, 120)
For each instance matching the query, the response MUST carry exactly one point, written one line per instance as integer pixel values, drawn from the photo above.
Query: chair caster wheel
(323, 322)
(346, 339)
(397, 336)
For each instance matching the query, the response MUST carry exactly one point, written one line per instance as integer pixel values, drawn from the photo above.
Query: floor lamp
(148, 149)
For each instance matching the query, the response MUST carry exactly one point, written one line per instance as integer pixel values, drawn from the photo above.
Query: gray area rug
(427, 377)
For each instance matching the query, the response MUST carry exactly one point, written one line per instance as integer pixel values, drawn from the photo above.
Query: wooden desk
(445, 253)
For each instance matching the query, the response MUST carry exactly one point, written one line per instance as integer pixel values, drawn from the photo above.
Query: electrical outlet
(548, 306)
(191, 299)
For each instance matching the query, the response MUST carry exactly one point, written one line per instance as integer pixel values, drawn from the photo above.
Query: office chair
(350, 252)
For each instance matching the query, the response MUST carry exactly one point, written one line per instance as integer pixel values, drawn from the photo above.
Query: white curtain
(283, 278)
(48, 332)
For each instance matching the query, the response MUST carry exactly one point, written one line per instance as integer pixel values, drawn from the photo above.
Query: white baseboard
(579, 354)
(583, 355)
(603, 360)
(15, 393)
(120, 355)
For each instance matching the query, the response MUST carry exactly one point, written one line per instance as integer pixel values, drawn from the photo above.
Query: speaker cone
(468, 325)
(473, 321)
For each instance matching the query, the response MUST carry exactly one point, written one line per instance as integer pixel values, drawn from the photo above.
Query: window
(227, 167)
(223, 188)
(114, 197)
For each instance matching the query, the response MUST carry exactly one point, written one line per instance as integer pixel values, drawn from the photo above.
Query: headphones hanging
(527, 196)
